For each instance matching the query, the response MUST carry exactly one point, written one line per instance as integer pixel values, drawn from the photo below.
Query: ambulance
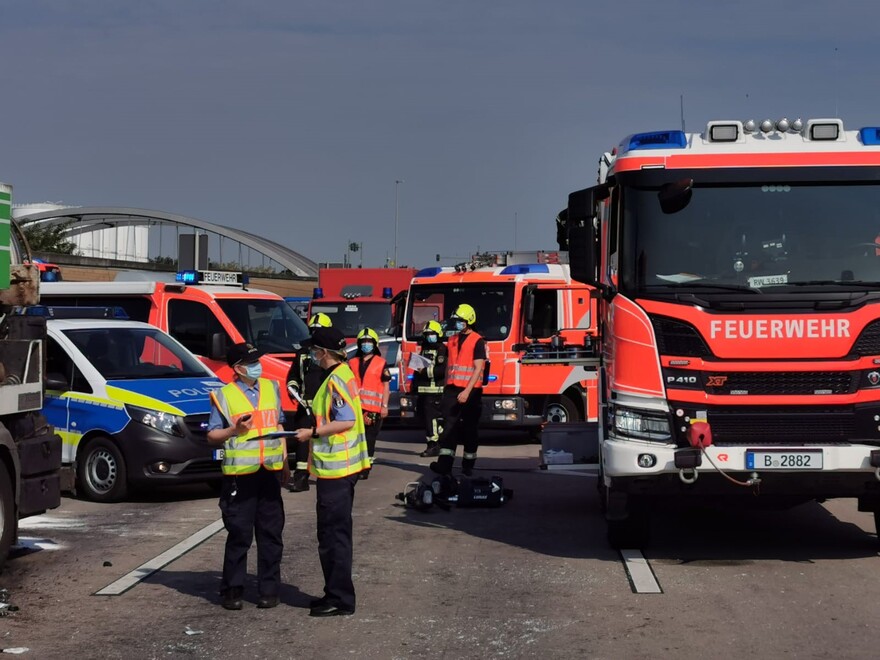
(538, 324)
(206, 311)
(130, 403)
(739, 316)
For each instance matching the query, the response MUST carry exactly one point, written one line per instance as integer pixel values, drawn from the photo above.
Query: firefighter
(338, 454)
(428, 382)
(242, 412)
(304, 378)
(373, 380)
(462, 397)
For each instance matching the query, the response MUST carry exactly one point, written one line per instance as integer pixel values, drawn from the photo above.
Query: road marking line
(641, 575)
(144, 571)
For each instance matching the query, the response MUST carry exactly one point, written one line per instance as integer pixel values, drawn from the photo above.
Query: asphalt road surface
(534, 578)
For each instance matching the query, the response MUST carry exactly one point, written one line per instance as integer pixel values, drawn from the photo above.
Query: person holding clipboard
(246, 418)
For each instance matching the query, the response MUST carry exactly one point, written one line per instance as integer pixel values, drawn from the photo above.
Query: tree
(45, 237)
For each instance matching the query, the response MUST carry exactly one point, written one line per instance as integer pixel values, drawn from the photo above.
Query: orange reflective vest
(371, 389)
(460, 365)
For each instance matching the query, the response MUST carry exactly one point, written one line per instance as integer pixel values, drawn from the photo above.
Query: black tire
(7, 514)
(100, 471)
(561, 410)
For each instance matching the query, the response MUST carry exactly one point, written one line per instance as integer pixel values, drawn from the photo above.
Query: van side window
(192, 324)
(58, 362)
(545, 320)
(137, 308)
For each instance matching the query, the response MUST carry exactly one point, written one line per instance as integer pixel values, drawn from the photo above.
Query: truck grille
(678, 338)
(787, 424)
(786, 382)
(868, 342)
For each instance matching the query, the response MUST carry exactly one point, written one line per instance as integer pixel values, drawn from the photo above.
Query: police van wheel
(561, 410)
(7, 513)
(100, 471)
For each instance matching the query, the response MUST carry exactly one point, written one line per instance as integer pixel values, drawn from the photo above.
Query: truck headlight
(642, 424)
(406, 402)
(161, 421)
(505, 404)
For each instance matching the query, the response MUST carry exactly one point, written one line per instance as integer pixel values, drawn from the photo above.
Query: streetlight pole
(397, 183)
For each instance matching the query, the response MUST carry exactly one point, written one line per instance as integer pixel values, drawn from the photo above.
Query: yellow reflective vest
(244, 454)
(340, 454)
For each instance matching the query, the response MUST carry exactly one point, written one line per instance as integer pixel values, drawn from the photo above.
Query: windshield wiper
(858, 283)
(704, 285)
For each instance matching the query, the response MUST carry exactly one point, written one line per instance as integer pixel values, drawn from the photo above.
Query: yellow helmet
(432, 326)
(320, 320)
(368, 332)
(466, 313)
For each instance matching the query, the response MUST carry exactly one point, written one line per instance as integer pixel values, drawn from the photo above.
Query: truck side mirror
(218, 346)
(528, 309)
(581, 220)
(674, 196)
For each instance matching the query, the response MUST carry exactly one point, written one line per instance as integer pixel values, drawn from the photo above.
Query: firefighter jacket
(244, 454)
(371, 387)
(341, 454)
(430, 380)
(305, 375)
(460, 366)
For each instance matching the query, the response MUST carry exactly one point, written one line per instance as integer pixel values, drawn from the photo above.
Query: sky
(294, 120)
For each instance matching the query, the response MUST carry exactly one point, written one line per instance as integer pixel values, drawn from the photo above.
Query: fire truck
(738, 272)
(536, 322)
(355, 298)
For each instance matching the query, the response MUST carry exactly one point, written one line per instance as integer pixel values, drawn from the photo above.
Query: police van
(130, 403)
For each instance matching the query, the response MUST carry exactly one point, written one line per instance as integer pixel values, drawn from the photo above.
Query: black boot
(433, 449)
(232, 599)
(299, 481)
(443, 465)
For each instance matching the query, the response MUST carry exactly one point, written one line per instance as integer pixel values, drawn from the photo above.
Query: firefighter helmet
(320, 320)
(432, 326)
(466, 313)
(367, 333)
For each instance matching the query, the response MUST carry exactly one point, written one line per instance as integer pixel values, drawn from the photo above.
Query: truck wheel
(100, 471)
(561, 410)
(7, 513)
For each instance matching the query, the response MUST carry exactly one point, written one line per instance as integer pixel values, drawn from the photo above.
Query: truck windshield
(493, 304)
(270, 325)
(127, 353)
(352, 317)
(753, 236)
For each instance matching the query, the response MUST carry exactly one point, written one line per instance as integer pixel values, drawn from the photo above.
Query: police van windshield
(270, 325)
(126, 353)
(492, 303)
(352, 317)
(752, 237)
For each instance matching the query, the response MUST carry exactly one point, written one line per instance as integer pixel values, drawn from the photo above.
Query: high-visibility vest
(244, 454)
(460, 366)
(340, 454)
(371, 389)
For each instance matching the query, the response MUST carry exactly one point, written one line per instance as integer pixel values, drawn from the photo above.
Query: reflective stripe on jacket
(371, 390)
(340, 454)
(430, 381)
(244, 454)
(460, 366)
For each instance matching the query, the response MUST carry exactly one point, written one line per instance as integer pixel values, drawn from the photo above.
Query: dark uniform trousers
(372, 432)
(251, 503)
(296, 449)
(334, 502)
(429, 407)
(460, 425)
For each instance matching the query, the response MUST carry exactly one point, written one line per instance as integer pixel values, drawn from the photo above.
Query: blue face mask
(314, 358)
(367, 347)
(254, 370)
(432, 339)
(460, 325)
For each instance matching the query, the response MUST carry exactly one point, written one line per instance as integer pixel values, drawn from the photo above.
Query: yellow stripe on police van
(134, 399)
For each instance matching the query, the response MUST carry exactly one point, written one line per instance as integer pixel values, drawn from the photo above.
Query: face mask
(254, 370)
(314, 357)
(432, 339)
(460, 325)
(367, 347)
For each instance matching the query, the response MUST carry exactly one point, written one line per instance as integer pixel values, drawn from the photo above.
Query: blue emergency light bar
(73, 312)
(222, 277)
(429, 272)
(658, 140)
(870, 136)
(525, 269)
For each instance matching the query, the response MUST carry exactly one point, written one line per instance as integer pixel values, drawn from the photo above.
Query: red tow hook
(699, 435)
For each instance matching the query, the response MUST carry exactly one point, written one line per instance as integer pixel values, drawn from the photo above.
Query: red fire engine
(536, 321)
(739, 315)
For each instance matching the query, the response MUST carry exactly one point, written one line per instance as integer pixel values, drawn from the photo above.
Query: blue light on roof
(187, 276)
(429, 272)
(870, 136)
(658, 140)
(317, 292)
(525, 269)
(387, 292)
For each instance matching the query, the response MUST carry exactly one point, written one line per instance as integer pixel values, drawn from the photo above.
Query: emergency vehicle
(535, 320)
(206, 318)
(358, 298)
(130, 403)
(739, 315)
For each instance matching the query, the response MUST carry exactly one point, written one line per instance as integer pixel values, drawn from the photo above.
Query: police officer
(242, 412)
(462, 397)
(338, 454)
(428, 383)
(304, 378)
(373, 380)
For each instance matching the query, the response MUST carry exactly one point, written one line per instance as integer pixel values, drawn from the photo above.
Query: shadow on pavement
(206, 585)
